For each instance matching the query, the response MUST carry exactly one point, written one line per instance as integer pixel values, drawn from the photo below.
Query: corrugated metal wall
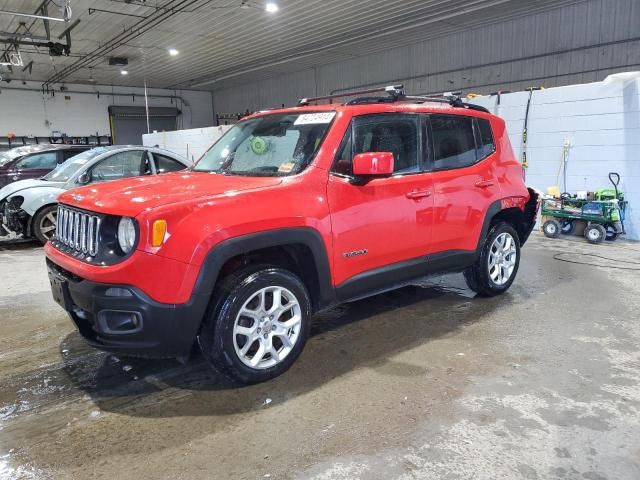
(578, 43)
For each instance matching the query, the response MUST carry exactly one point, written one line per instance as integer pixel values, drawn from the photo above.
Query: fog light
(117, 322)
(118, 292)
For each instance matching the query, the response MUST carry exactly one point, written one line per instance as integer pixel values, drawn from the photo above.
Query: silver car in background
(29, 207)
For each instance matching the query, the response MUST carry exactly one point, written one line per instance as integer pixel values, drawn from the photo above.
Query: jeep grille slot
(78, 230)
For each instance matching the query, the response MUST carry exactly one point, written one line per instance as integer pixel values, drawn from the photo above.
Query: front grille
(77, 230)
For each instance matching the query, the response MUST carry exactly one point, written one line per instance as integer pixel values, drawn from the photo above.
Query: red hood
(133, 195)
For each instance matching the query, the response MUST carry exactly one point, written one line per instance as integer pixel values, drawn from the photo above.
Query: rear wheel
(612, 233)
(567, 227)
(552, 228)
(44, 223)
(259, 325)
(497, 265)
(595, 233)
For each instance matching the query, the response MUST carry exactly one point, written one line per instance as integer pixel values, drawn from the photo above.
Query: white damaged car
(29, 207)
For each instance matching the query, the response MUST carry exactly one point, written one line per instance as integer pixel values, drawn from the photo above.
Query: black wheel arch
(523, 221)
(300, 248)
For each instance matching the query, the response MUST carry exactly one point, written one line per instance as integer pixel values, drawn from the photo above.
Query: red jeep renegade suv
(290, 212)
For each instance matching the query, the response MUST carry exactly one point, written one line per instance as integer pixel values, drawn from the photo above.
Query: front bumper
(123, 319)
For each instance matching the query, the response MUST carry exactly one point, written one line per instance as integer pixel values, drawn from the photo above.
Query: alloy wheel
(502, 258)
(267, 327)
(47, 225)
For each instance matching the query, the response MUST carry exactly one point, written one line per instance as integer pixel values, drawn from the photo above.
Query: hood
(131, 196)
(15, 187)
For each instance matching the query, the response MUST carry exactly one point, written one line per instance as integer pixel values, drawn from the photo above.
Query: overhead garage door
(128, 124)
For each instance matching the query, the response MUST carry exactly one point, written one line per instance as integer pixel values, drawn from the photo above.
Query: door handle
(484, 183)
(418, 194)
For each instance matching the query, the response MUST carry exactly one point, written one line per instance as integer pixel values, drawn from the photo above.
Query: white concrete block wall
(34, 113)
(601, 121)
(190, 143)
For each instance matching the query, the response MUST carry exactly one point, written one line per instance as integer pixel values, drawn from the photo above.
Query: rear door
(464, 179)
(385, 221)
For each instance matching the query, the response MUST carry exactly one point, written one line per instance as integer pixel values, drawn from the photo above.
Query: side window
(45, 160)
(342, 164)
(397, 134)
(67, 154)
(453, 141)
(166, 164)
(486, 144)
(120, 165)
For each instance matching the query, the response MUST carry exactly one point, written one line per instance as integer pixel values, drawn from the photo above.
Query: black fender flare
(492, 211)
(227, 249)
(523, 225)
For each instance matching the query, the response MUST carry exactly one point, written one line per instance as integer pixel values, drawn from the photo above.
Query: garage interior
(428, 381)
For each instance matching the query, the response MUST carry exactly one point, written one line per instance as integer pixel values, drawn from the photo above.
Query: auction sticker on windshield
(311, 118)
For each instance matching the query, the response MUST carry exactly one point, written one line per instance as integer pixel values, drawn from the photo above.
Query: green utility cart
(603, 219)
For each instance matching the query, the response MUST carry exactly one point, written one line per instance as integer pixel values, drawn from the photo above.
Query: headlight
(126, 234)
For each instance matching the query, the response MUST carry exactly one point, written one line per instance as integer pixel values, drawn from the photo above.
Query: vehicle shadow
(340, 342)
(20, 243)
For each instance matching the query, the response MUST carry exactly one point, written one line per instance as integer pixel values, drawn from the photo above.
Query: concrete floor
(422, 383)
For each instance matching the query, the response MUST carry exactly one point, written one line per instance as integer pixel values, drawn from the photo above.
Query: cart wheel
(612, 233)
(551, 228)
(567, 227)
(595, 233)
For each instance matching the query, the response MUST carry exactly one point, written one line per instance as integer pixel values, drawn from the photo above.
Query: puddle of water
(7, 472)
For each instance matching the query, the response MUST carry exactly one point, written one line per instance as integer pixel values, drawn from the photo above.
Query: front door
(35, 165)
(379, 225)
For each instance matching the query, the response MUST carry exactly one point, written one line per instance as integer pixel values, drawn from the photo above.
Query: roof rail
(392, 90)
(395, 93)
(452, 98)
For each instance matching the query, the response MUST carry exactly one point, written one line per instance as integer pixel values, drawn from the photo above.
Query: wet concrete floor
(426, 382)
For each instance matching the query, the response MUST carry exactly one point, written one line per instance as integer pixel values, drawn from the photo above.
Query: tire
(552, 228)
(44, 223)
(567, 227)
(612, 233)
(226, 348)
(482, 277)
(595, 233)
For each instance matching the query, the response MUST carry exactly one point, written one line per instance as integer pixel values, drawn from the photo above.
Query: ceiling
(226, 41)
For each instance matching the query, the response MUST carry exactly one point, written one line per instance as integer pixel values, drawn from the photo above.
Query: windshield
(270, 145)
(68, 169)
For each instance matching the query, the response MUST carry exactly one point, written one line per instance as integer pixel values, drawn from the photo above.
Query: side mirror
(84, 178)
(373, 164)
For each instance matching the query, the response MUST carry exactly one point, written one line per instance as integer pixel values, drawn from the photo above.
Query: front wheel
(44, 223)
(259, 324)
(552, 228)
(497, 264)
(595, 233)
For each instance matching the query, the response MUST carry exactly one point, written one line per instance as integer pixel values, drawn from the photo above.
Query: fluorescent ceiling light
(30, 15)
(271, 7)
(124, 72)
(173, 52)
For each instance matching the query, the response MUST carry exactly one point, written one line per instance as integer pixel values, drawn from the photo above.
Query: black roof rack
(395, 93)
(393, 90)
